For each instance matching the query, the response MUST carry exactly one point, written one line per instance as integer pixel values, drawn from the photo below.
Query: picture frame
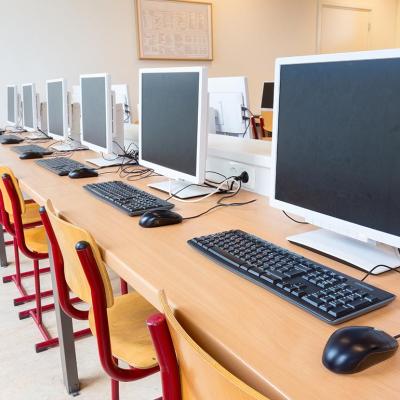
(174, 30)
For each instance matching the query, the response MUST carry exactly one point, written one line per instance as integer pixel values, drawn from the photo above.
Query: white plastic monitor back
(108, 114)
(342, 227)
(76, 94)
(122, 97)
(202, 126)
(34, 107)
(14, 118)
(227, 95)
(64, 95)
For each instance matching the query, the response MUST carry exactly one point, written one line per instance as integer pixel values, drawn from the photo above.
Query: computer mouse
(6, 140)
(355, 348)
(155, 218)
(83, 173)
(30, 155)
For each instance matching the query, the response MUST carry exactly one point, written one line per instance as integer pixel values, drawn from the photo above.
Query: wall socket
(233, 168)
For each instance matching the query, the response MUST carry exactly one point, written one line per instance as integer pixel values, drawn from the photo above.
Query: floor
(24, 374)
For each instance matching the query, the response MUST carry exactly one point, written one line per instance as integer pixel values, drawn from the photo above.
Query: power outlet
(235, 169)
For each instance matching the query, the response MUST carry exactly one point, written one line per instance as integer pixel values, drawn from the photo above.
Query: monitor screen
(268, 95)
(94, 110)
(11, 104)
(55, 108)
(27, 98)
(339, 141)
(169, 120)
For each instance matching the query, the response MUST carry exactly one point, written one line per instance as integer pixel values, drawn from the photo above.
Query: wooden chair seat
(36, 241)
(130, 338)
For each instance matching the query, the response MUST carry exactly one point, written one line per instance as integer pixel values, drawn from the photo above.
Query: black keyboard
(322, 291)
(17, 139)
(127, 198)
(61, 165)
(31, 147)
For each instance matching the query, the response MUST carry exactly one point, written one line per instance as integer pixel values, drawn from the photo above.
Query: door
(343, 29)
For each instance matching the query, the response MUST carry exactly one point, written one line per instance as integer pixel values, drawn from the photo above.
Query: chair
(30, 219)
(187, 371)
(119, 323)
(32, 242)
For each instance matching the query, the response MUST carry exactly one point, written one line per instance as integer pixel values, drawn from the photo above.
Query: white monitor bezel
(262, 95)
(8, 122)
(65, 109)
(324, 221)
(109, 133)
(34, 108)
(202, 126)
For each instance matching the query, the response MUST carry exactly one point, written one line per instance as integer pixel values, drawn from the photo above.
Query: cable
(396, 336)
(221, 204)
(396, 269)
(295, 220)
(217, 189)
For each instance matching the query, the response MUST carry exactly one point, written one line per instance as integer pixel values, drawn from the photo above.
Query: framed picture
(174, 30)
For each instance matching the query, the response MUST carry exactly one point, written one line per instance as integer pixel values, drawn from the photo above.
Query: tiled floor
(26, 375)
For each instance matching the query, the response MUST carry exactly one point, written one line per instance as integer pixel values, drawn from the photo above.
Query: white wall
(43, 39)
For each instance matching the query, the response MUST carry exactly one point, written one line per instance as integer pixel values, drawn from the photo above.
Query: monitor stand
(113, 161)
(68, 145)
(362, 255)
(174, 186)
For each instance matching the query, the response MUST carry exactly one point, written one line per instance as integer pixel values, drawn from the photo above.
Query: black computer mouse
(355, 348)
(155, 218)
(30, 155)
(6, 140)
(83, 173)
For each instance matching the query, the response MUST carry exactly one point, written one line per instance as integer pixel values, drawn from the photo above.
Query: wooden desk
(270, 344)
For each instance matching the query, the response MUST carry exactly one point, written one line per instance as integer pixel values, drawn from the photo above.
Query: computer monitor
(336, 157)
(173, 123)
(57, 109)
(12, 105)
(29, 107)
(267, 102)
(227, 97)
(96, 113)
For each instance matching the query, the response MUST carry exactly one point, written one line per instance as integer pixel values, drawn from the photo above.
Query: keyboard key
(339, 311)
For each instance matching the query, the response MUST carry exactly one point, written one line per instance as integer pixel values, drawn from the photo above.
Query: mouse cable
(221, 204)
(295, 220)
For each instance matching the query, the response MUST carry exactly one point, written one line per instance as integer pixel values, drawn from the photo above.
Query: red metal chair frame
(18, 229)
(170, 376)
(99, 304)
(17, 277)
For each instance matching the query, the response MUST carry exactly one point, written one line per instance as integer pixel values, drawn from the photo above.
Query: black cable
(221, 204)
(396, 336)
(396, 269)
(295, 220)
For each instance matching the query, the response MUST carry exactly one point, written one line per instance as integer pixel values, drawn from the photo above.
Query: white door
(343, 29)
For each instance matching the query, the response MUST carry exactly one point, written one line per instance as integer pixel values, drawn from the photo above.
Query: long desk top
(266, 341)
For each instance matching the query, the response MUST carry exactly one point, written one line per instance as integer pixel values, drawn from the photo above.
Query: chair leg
(38, 298)
(114, 383)
(114, 390)
(124, 287)
(17, 263)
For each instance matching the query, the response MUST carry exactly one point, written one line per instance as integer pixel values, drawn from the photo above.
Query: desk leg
(3, 256)
(66, 341)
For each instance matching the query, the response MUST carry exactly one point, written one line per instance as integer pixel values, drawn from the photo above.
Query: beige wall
(45, 39)
(398, 25)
